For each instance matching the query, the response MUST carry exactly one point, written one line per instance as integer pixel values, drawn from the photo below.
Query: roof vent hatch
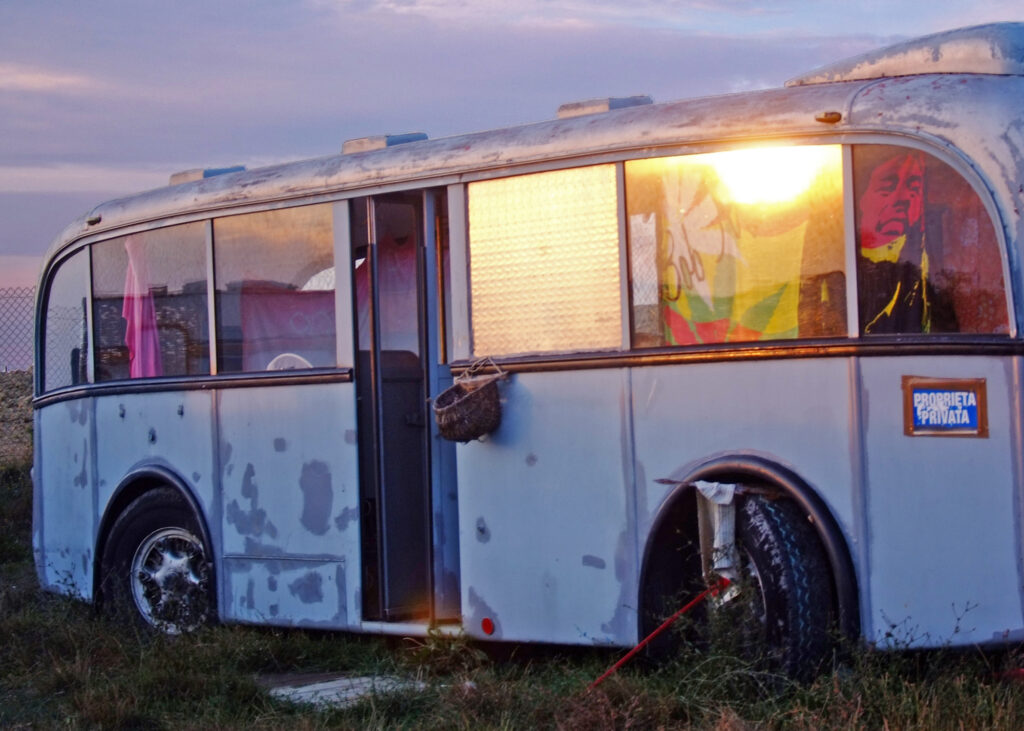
(379, 142)
(187, 176)
(599, 106)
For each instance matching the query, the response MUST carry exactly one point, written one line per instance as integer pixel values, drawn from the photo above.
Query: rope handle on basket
(478, 365)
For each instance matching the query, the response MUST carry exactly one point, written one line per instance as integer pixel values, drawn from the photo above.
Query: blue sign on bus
(945, 409)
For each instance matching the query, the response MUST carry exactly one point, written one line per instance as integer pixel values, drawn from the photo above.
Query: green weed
(440, 654)
(62, 664)
(15, 514)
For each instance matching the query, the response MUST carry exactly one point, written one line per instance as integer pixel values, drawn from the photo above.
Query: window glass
(928, 258)
(736, 246)
(65, 330)
(544, 262)
(149, 304)
(275, 290)
(398, 232)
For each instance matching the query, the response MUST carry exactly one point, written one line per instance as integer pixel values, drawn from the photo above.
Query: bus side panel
(943, 549)
(171, 430)
(65, 498)
(290, 482)
(304, 593)
(546, 514)
(794, 412)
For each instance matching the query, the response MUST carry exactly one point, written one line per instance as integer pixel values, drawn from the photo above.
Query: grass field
(64, 665)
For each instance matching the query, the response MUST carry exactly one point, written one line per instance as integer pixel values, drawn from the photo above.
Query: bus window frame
(211, 305)
(42, 321)
(958, 162)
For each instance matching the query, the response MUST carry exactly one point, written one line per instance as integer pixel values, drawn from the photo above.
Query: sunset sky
(99, 99)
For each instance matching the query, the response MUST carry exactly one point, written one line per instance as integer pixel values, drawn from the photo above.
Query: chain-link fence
(17, 317)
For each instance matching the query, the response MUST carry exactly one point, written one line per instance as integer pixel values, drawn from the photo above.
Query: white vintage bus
(771, 336)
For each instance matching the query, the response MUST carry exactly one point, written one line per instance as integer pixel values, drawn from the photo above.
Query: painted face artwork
(893, 282)
(893, 202)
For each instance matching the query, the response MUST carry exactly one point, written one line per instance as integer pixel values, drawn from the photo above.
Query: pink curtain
(141, 335)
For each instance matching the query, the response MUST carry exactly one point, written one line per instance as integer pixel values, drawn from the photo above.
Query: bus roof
(436, 161)
(808, 106)
(996, 48)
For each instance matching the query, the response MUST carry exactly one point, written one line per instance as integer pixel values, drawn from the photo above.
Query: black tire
(787, 574)
(155, 566)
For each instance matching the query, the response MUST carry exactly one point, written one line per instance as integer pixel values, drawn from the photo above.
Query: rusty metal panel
(288, 593)
(546, 515)
(943, 546)
(995, 48)
(288, 463)
(64, 510)
(172, 431)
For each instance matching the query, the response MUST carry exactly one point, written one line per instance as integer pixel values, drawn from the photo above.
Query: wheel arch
(739, 469)
(135, 484)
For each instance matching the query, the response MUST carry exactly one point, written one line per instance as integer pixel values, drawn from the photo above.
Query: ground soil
(15, 417)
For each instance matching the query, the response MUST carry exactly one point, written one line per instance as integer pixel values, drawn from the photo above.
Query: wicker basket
(469, 409)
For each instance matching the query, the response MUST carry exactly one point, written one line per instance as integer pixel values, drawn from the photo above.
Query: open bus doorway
(394, 291)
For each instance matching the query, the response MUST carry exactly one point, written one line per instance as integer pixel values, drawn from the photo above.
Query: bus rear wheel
(156, 567)
(783, 607)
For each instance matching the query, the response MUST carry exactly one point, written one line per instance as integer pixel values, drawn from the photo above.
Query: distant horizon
(19, 270)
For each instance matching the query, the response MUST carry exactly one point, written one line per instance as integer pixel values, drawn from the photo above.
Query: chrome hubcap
(170, 580)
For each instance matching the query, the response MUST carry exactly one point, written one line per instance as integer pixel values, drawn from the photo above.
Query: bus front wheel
(155, 565)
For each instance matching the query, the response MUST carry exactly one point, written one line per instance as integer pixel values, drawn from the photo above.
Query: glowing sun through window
(772, 174)
(737, 246)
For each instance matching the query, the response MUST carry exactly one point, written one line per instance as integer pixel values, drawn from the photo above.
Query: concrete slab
(334, 690)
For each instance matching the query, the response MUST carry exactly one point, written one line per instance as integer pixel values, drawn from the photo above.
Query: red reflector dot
(487, 625)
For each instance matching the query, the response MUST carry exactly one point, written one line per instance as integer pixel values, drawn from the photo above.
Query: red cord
(712, 591)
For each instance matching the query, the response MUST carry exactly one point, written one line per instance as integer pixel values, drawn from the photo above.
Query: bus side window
(544, 262)
(927, 254)
(742, 245)
(149, 304)
(64, 329)
(275, 281)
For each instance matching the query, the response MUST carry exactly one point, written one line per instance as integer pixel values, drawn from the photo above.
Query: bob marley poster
(928, 260)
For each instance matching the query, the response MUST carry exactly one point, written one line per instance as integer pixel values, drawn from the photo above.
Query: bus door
(392, 291)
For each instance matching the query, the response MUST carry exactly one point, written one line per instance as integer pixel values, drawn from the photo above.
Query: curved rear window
(927, 254)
